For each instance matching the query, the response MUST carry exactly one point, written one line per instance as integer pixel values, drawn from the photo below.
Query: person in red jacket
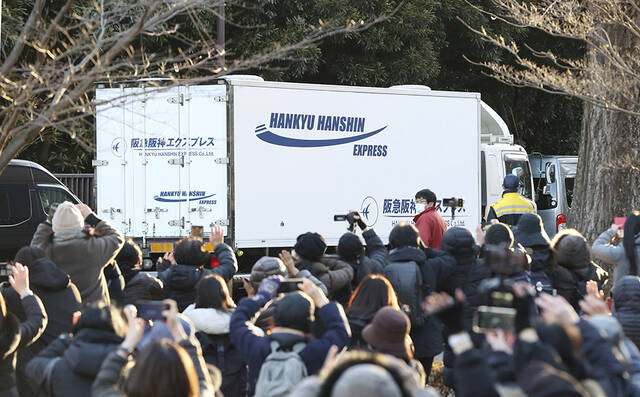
(430, 224)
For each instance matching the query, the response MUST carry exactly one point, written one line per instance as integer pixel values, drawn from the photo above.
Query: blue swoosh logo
(168, 200)
(274, 139)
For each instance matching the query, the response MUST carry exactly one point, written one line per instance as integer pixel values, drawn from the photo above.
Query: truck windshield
(568, 170)
(519, 165)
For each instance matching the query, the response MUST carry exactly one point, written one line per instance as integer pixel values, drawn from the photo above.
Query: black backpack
(219, 351)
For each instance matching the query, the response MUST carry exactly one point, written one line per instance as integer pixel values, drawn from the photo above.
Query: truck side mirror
(550, 173)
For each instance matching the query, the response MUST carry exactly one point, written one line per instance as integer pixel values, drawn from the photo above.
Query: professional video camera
(452, 203)
(353, 217)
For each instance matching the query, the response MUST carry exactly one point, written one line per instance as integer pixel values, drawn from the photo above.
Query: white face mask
(420, 207)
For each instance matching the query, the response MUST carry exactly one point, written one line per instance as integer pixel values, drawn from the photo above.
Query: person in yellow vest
(512, 205)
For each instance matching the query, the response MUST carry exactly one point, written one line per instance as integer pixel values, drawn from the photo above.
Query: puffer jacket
(60, 298)
(411, 289)
(113, 365)
(626, 301)
(614, 254)
(571, 283)
(76, 361)
(82, 256)
(18, 334)
(469, 271)
(212, 331)
(335, 276)
(180, 280)
(542, 260)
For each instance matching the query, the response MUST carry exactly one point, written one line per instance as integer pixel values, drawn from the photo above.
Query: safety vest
(513, 204)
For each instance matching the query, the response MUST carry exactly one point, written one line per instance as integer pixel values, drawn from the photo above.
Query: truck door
(160, 146)
(205, 168)
(111, 155)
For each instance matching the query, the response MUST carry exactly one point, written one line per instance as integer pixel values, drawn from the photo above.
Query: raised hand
(19, 278)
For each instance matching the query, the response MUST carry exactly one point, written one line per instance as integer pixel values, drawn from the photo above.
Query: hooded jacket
(16, 335)
(469, 271)
(626, 301)
(255, 348)
(371, 263)
(77, 361)
(142, 286)
(614, 254)
(180, 280)
(81, 255)
(212, 330)
(60, 298)
(427, 335)
(58, 294)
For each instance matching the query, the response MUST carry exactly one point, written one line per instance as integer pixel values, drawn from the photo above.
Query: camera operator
(352, 251)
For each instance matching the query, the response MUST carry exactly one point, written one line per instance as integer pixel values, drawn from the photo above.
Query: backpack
(281, 371)
(406, 279)
(218, 350)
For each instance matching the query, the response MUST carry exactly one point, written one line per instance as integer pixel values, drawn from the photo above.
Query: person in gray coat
(81, 253)
(624, 256)
(626, 304)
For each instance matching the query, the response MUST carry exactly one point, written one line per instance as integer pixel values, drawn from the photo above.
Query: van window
(545, 201)
(568, 170)
(51, 196)
(519, 166)
(15, 204)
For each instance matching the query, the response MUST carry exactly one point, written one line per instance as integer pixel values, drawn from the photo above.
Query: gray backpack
(281, 371)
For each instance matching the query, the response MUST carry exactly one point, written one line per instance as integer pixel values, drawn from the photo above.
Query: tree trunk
(608, 179)
(608, 175)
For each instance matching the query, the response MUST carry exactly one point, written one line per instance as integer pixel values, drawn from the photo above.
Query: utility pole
(221, 38)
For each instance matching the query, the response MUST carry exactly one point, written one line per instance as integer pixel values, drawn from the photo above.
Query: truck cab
(553, 178)
(499, 156)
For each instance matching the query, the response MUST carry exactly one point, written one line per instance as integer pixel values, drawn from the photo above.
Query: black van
(27, 192)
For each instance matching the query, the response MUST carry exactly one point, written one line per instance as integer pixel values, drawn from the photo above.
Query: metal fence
(81, 185)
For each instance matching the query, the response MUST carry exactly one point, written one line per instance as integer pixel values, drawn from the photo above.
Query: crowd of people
(513, 312)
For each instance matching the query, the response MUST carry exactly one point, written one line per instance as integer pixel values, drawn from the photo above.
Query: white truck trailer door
(158, 144)
(206, 162)
(113, 116)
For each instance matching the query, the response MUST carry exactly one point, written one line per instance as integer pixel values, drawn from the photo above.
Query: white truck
(271, 160)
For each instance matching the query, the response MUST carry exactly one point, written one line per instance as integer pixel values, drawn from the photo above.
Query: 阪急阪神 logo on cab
(312, 130)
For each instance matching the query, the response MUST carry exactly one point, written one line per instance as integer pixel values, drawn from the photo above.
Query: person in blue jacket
(293, 318)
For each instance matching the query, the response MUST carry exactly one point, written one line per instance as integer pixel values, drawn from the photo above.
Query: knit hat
(67, 217)
(294, 310)
(388, 333)
(571, 250)
(366, 380)
(511, 181)
(539, 379)
(350, 246)
(529, 231)
(500, 235)
(265, 267)
(310, 246)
